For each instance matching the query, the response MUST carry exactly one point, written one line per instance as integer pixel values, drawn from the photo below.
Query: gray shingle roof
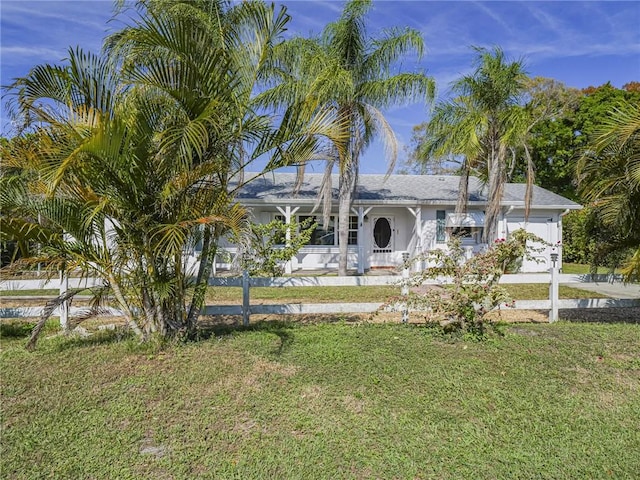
(394, 189)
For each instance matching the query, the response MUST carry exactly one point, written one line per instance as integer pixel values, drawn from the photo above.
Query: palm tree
(484, 124)
(229, 59)
(352, 74)
(137, 149)
(114, 203)
(609, 176)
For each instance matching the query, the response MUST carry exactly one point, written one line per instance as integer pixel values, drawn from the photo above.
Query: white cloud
(83, 13)
(492, 13)
(33, 52)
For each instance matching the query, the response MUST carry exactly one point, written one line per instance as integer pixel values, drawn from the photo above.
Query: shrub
(264, 249)
(467, 289)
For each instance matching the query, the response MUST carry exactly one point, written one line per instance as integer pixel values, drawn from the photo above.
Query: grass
(52, 292)
(335, 401)
(29, 292)
(538, 291)
(581, 269)
(350, 294)
(372, 294)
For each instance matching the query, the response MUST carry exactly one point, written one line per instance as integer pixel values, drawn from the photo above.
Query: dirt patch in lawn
(509, 316)
(604, 315)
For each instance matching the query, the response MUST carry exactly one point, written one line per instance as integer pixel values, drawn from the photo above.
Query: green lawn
(233, 295)
(580, 268)
(367, 294)
(285, 401)
(29, 292)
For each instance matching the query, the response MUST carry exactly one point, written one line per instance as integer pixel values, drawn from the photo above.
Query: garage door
(541, 227)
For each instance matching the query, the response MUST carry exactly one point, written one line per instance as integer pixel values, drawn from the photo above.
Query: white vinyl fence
(246, 309)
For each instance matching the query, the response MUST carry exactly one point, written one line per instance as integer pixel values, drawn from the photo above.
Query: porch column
(288, 212)
(505, 222)
(361, 212)
(417, 214)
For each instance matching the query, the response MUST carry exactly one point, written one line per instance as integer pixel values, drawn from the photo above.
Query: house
(401, 213)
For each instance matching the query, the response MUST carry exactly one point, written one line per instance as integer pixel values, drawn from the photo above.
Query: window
(467, 235)
(462, 232)
(323, 234)
(280, 238)
(353, 230)
(467, 227)
(440, 226)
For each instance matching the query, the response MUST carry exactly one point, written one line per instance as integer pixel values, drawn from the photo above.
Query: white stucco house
(400, 213)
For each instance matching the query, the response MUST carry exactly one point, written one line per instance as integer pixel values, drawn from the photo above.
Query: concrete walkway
(613, 290)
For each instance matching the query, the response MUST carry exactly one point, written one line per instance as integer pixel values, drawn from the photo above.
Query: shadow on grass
(281, 328)
(16, 329)
(63, 342)
(601, 315)
(54, 340)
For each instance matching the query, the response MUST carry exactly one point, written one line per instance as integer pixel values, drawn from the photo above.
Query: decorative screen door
(383, 235)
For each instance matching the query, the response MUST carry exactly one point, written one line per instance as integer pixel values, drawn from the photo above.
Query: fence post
(245, 298)
(553, 288)
(405, 286)
(64, 306)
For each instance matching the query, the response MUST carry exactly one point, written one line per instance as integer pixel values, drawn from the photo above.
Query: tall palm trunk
(209, 249)
(463, 189)
(345, 197)
(496, 182)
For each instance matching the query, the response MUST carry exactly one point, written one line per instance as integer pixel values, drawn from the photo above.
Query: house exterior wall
(544, 223)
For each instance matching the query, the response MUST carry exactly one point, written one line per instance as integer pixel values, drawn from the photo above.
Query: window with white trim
(322, 234)
(353, 230)
(441, 219)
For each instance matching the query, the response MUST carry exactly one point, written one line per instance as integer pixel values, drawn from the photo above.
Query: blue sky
(578, 43)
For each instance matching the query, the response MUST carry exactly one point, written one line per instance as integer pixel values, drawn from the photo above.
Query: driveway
(613, 290)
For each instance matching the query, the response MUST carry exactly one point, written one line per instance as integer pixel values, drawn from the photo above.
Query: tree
(483, 125)
(420, 162)
(556, 143)
(552, 136)
(351, 73)
(609, 177)
(138, 153)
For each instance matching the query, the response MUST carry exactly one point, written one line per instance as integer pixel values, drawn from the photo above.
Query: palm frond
(395, 44)
(399, 89)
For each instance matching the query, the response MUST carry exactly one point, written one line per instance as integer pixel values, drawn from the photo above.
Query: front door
(383, 242)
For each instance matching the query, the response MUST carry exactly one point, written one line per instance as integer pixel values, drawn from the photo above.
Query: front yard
(285, 400)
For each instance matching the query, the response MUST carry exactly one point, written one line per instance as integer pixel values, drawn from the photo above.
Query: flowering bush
(467, 289)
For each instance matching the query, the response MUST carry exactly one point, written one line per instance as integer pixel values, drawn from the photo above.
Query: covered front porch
(379, 236)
